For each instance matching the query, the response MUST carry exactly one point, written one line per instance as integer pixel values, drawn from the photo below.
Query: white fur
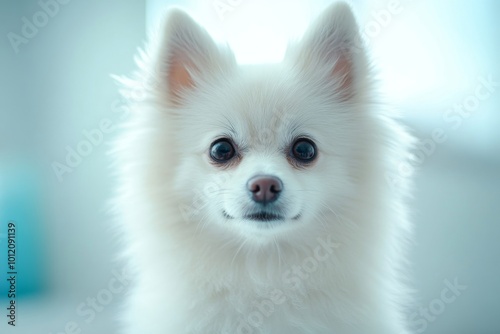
(198, 272)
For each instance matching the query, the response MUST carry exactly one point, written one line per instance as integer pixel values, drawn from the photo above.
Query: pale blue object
(19, 202)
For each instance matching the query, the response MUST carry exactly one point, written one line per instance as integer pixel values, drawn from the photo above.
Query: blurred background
(439, 65)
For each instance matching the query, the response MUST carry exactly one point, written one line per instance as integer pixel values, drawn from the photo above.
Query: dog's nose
(264, 188)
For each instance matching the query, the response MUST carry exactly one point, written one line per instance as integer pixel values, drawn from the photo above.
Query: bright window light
(253, 29)
(430, 54)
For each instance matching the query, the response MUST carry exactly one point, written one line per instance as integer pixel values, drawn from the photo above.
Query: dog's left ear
(333, 47)
(187, 53)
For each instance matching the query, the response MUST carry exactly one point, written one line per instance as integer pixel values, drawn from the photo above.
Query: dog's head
(265, 149)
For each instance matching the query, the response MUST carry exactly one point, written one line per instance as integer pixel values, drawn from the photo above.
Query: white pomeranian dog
(263, 198)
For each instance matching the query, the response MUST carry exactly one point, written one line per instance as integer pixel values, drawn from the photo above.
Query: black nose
(264, 188)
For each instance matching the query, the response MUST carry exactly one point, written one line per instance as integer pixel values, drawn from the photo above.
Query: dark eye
(222, 151)
(304, 150)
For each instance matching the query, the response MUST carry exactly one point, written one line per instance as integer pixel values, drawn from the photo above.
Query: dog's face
(263, 150)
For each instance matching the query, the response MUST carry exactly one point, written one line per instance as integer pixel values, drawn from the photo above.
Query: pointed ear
(187, 53)
(333, 47)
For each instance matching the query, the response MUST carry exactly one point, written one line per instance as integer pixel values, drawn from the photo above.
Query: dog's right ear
(187, 53)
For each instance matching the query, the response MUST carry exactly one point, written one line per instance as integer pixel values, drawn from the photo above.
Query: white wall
(53, 88)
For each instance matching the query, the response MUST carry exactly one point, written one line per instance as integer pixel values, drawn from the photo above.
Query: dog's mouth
(264, 217)
(261, 216)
